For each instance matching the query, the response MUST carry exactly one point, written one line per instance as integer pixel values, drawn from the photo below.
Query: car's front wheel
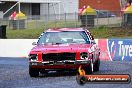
(89, 69)
(96, 65)
(33, 72)
(43, 71)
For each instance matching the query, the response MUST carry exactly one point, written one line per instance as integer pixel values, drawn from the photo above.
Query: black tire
(88, 69)
(60, 71)
(96, 65)
(33, 72)
(43, 71)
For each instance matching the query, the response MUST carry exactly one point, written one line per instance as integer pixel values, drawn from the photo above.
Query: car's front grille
(58, 56)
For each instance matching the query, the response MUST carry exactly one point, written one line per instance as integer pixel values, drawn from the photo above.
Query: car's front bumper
(59, 65)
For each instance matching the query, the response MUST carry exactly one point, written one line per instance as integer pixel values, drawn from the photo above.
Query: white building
(39, 7)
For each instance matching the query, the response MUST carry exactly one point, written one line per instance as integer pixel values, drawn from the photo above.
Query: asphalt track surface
(14, 74)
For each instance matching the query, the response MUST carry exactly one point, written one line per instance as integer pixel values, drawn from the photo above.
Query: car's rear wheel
(89, 69)
(96, 65)
(33, 72)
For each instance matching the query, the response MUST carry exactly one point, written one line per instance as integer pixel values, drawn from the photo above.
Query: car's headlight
(33, 57)
(84, 56)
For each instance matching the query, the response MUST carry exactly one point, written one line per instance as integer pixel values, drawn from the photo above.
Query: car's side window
(41, 39)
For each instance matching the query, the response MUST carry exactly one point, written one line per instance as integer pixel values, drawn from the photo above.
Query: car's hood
(61, 48)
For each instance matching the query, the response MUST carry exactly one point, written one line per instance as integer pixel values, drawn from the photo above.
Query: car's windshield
(64, 37)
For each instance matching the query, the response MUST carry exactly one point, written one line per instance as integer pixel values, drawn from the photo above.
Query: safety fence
(104, 18)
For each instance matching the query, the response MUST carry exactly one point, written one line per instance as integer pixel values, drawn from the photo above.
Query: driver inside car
(54, 38)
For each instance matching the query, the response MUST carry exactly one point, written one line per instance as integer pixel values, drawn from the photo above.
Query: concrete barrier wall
(15, 47)
(111, 49)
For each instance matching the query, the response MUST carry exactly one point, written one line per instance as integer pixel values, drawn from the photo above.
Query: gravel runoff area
(14, 74)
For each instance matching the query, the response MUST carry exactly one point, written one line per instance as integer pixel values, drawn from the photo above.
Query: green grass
(102, 32)
(35, 28)
(52, 24)
(23, 33)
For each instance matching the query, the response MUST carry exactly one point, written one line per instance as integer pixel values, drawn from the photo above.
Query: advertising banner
(115, 49)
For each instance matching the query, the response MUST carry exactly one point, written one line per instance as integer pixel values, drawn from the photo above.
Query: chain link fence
(114, 19)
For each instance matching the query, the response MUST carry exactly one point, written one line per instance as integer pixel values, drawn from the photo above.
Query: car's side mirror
(34, 43)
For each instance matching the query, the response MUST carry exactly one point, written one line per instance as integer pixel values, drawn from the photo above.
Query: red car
(64, 49)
